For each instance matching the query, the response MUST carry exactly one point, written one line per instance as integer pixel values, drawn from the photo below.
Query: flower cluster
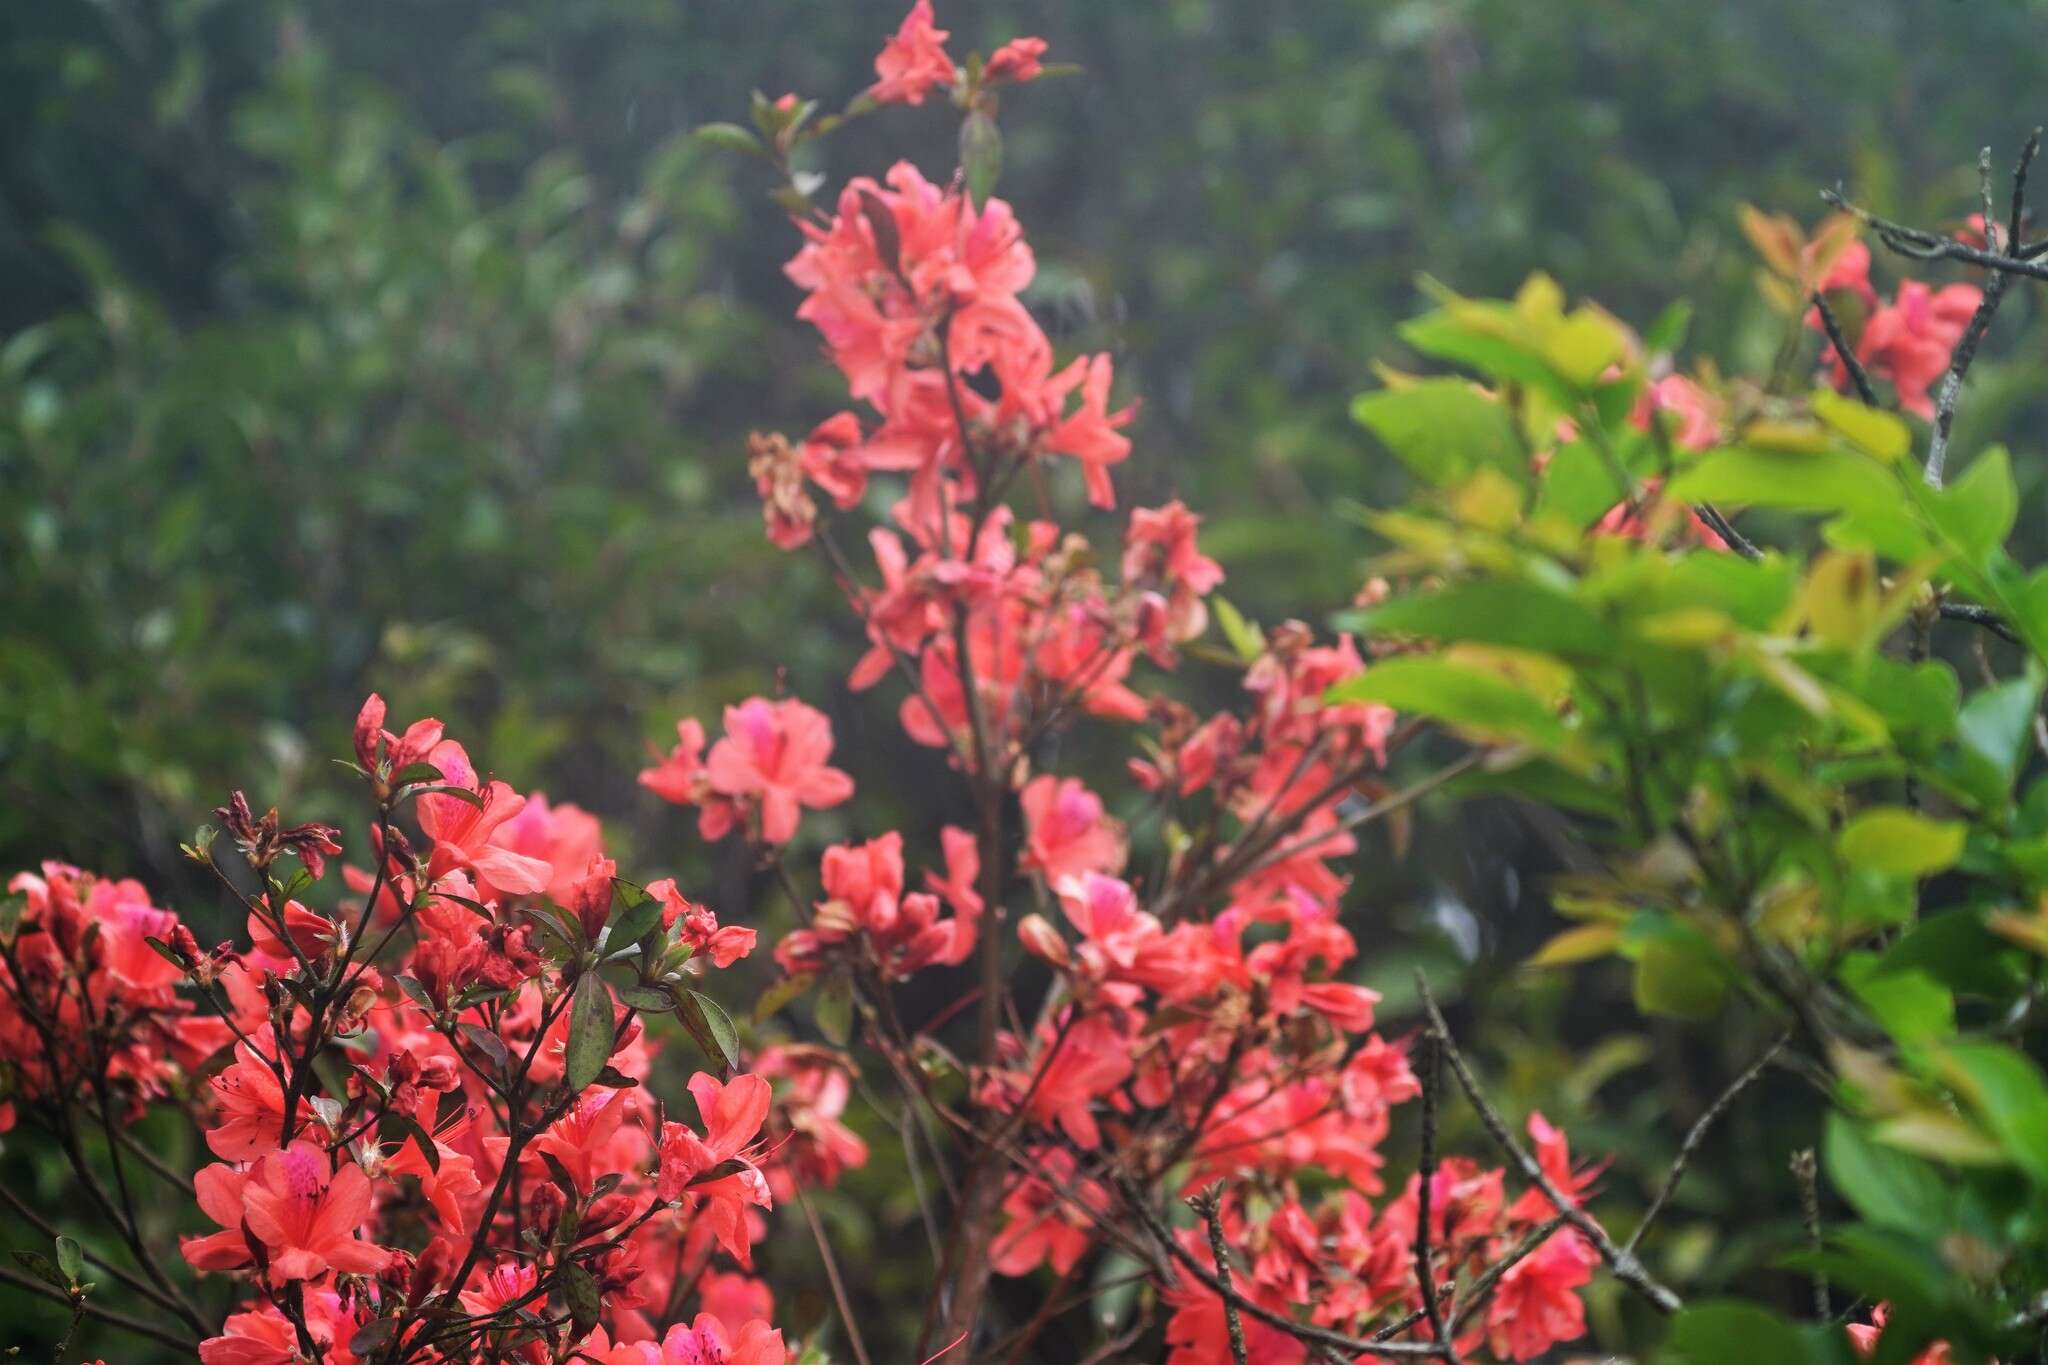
(89, 995)
(427, 1105)
(1198, 1028)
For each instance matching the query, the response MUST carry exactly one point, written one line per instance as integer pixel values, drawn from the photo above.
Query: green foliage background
(413, 347)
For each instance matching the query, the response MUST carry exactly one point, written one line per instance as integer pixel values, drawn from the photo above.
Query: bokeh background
(411, 345)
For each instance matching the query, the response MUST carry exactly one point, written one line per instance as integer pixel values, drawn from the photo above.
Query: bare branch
(93, 1310)
(1208, 1206)
(1695, 1136)
(1857, 374)
(1806, 1170)
(1431, 1076)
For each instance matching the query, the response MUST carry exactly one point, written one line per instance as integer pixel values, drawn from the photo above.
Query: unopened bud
(1041, 939)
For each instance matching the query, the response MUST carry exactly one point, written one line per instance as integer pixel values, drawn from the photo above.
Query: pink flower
(564, 836)
(706, 1342)
(691, 1164)
(219, 1190)
(374, 743)
(1910, 341)
(1017, 60)
(1066, 832)
(1864, 1338)
(913, 62)
(462, 830)
(1697, 412)
(251, 1109)
(308, 1217)
(775, 752)
(723, 944)
(1090, 434)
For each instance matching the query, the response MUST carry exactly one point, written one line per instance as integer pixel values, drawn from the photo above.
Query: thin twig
(1806, 1170)
(1208, 1206)
(1695, 1136)
(1625, 1266)
(1979, 616)
(860, 1350)
(93, 1310)
(1725, 529)
(1857, 374)
(1921, 245)
(1430, 1074)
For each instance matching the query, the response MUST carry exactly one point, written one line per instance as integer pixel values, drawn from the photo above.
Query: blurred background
(411, 345)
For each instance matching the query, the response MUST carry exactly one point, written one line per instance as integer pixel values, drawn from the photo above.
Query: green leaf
(413, 773)
(1871, 430)
(881, 221)
(1998, 722)
(632, 925)
(1456, 693)
(1886, 1186)
(1809, 481)
(590, 1032)
(1897, 842)
(1976, 512)
(1725, 1332)
(1673, 980)
(981, 155)
(1667, 333)
(1495, 612)
(730, 1166)
(449, 789)
(421, 1139)
(647, 999)
(1912, 1006)
(833, 1009)
(70, 1260)
(43, 1268)
(1444, 429)
(1578, 485)
(490, 1044)
(721, 1027)
(2006, 1088)
(1489, 349)
(579, 1292)
(710, 1027)
(728, 137)
(779, 995)
(373, 1336)
(1244, 637)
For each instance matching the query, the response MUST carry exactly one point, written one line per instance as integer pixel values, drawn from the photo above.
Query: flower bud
(605, 1213)
(1041, 939)
(544, 1208)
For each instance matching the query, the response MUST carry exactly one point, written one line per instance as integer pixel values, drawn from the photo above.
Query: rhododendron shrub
(424, 1070)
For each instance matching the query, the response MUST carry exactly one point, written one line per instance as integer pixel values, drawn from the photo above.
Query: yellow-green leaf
(1898, 842)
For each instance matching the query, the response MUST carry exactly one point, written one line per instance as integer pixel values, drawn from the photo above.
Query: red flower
(1535, 1305)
